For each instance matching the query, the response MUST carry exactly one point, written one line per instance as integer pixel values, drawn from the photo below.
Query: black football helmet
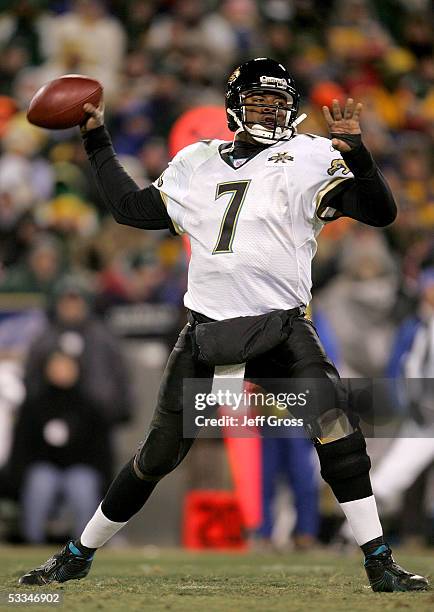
(261, 75)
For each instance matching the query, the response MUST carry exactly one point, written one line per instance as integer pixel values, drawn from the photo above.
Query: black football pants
(300, 356)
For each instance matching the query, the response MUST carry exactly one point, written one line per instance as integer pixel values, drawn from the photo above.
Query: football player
(252, 209)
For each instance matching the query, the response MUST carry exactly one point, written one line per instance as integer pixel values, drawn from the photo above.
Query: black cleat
(69, 564)
(387, 576)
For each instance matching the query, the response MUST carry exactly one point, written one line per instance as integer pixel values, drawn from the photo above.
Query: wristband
(352, 140)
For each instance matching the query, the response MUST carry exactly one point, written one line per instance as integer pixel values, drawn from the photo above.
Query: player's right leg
(163, 449)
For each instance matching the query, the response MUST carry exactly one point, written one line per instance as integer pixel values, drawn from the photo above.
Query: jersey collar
(240, 150)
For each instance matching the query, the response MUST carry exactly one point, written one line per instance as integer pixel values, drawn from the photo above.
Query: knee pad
(345, 466)
(159, 454)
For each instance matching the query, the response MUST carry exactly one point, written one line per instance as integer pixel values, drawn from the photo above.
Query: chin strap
(297, 121)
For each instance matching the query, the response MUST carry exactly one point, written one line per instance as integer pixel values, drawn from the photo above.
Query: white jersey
(252, 229)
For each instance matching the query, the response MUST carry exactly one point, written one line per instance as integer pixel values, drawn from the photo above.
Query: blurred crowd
(156, 60)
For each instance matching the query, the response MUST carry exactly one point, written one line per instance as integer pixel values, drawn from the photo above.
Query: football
(58, 105)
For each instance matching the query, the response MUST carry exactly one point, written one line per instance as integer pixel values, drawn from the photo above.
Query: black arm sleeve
(128, 204)
(367, 197)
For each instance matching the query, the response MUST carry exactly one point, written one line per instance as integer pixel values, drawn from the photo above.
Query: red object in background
(8, 108)
(324, 92)
(201, 123)
(212, 520)
(245, 461)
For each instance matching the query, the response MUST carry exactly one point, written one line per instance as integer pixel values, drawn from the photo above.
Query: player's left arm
(367, 197)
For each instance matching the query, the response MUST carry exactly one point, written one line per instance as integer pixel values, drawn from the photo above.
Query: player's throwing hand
(95, 117)
(347, 124)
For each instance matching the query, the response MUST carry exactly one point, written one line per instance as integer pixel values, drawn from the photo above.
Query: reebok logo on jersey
(279, 158)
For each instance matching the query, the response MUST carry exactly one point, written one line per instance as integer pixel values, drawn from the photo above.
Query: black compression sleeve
(367, 197)
(128, 204)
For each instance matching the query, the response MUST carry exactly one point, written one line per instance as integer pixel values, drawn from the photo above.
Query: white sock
(99, 530)
(363, 518)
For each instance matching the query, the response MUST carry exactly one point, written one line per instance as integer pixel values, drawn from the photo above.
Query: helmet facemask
(274, 126)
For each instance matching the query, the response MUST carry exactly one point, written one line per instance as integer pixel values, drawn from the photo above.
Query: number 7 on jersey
(238, 189)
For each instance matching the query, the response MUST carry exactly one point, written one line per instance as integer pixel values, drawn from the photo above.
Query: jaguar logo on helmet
(234, 75)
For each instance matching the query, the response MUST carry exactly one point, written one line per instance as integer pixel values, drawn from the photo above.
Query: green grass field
(160, 579)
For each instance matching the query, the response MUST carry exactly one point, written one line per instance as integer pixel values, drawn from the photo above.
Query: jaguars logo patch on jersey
(336, 165)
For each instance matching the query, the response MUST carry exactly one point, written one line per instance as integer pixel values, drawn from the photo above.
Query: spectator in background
(93, 37)
(20, 27)
(25, 176)
(11, 396)
(17, 235)
(141, 293)
(154, 158)
(411, 367)
(39, 273)
(232, 32)
(137, 16)
(147, 280)
(292, 462)
(12, 60)
(359, 301)
(177, 29)
(71, 329)
(62, 449)
(133, 127)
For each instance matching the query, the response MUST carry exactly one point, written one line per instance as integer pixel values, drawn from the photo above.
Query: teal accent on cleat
(69, 564)
(76, 551)
(387, 576)
(380, 549)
